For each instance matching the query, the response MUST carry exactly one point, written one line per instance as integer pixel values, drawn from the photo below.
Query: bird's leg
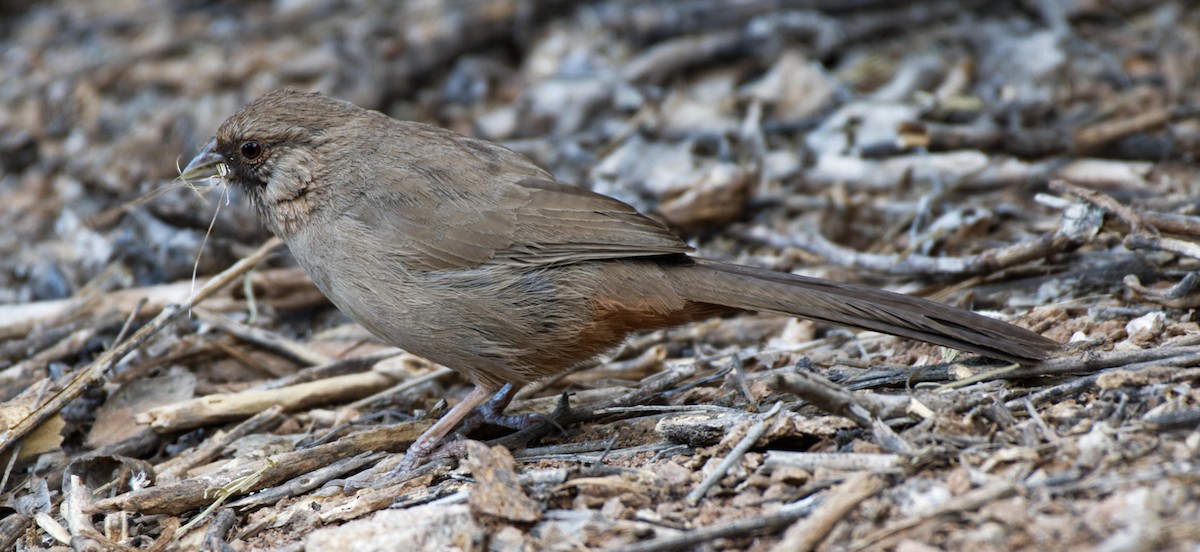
(492, 412)
(428, 441)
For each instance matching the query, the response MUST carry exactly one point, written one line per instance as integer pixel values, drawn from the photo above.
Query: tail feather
(860, 307)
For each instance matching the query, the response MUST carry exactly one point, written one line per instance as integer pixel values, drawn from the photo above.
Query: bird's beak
(206, 164)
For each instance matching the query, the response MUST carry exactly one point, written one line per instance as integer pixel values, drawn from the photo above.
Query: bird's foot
(492, 412)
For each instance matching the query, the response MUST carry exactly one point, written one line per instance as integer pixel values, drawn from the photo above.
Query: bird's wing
(563, 224)
(531, 222)
(457, 202)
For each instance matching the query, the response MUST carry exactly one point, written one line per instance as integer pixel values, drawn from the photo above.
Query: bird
(470, 255)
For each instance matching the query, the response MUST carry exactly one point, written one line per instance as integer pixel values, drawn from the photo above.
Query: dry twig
(95, 371)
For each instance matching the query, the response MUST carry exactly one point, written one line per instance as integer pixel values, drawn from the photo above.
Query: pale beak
(206, 164)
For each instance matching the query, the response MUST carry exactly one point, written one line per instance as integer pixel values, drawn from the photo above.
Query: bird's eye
(251, 150)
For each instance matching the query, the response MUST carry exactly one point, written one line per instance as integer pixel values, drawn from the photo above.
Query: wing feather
(493, 206)
(531, 222)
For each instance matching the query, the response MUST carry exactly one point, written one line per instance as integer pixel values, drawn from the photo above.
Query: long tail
(754, 289)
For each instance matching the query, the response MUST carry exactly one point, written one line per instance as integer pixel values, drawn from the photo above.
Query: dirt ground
(1032, 160)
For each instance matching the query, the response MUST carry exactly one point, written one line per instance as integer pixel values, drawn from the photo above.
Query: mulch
(171, 381)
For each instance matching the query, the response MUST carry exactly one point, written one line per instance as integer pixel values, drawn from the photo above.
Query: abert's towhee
(470, 255)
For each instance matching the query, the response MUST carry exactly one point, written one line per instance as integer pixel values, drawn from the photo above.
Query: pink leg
(428, 441)
(492, 412)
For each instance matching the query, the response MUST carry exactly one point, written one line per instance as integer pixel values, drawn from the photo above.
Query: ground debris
(1033, 161)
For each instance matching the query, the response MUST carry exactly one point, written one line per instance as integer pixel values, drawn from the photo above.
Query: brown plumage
(469, 254)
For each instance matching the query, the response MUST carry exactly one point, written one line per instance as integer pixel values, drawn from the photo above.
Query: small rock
(1146, 328)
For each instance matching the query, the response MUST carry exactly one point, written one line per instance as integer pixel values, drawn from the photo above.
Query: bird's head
(276, 151)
